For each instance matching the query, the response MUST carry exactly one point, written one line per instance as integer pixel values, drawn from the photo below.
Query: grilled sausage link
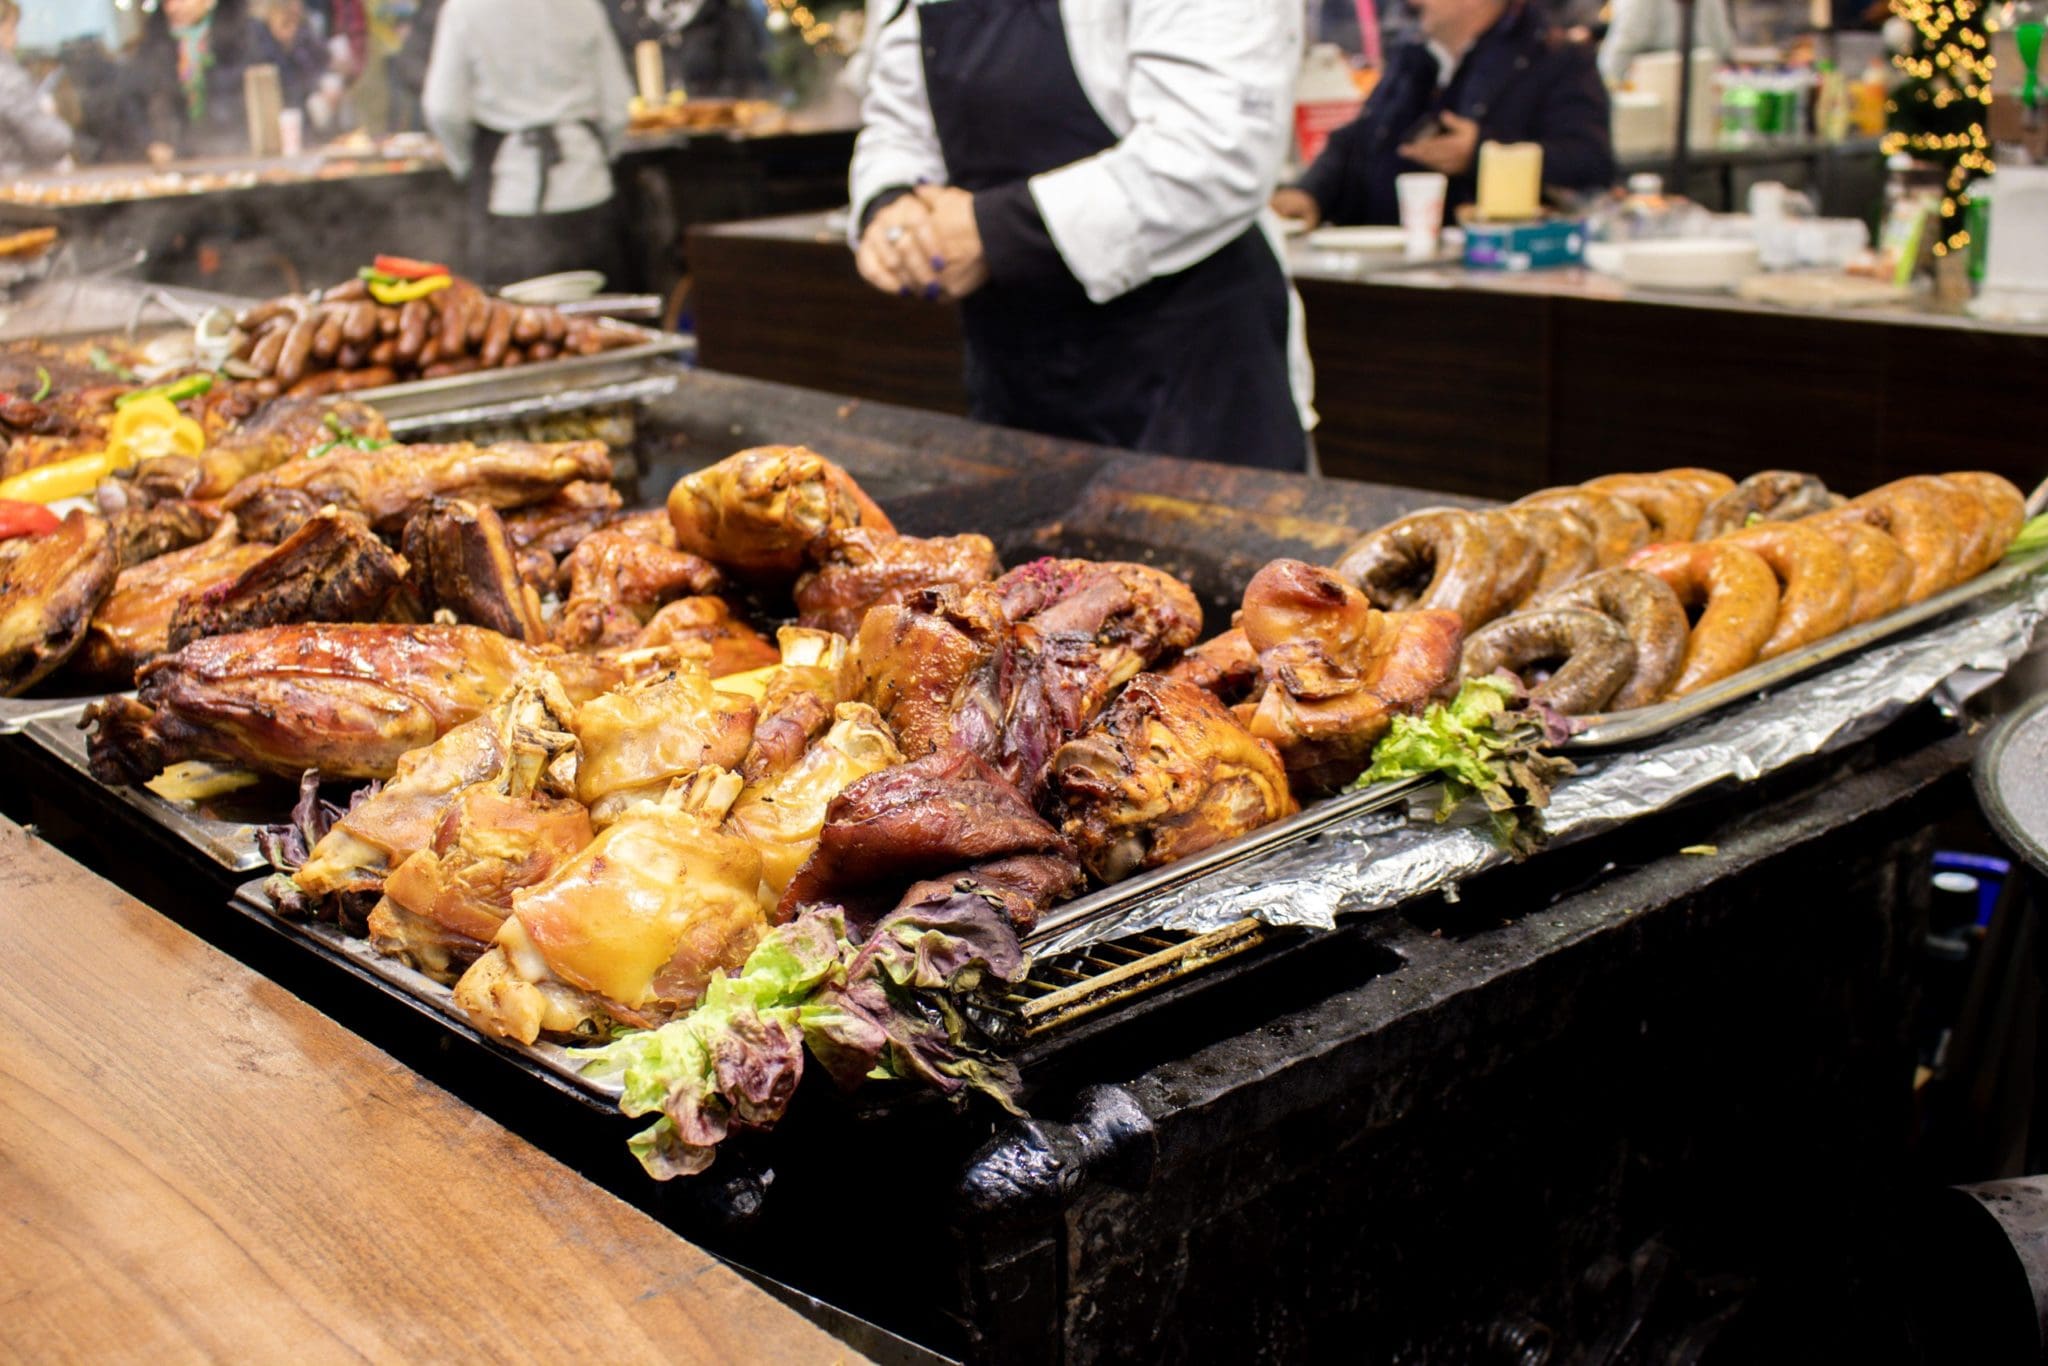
(1816, 589)
(1651, 614)
(1738, 599)
(1673, 506)
(1592, 654)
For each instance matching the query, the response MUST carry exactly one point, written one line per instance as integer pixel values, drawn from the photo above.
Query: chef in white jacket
(1088, 178)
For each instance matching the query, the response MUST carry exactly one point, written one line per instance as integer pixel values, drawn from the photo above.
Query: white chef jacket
(1200, 94)
(511, 65)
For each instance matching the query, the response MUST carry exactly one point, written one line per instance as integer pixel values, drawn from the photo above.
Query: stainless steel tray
(511, 391)
(224, 831)
(424, 993)
(17, 712)
(1619, 728)
(1643, 723)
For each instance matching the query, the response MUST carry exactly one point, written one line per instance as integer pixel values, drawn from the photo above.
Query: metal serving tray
(1642, 723)
(17, 712)
(526, 388)
(1618, 728)
(224, 830)
(551, 1062)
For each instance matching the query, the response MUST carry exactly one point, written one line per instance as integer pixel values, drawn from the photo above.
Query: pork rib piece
(386, 484)
(281, 430)
(615, 580)
(460, 560)
(333, 568)
(133, 625)
(350, 701)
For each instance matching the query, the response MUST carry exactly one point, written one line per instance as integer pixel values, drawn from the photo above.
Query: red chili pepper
(26, 519)
(405, 268)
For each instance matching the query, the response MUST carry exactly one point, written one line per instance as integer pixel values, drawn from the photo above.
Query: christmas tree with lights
(1938, 111)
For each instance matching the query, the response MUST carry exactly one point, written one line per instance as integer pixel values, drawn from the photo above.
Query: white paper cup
(1421, 195)
(291, 131)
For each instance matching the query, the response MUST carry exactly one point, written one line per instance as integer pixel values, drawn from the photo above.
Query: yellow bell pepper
(153, 426)
(405, 291)
(73, 478)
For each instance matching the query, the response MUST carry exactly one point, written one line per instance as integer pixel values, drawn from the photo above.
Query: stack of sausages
(1632, 589)
(341, 339)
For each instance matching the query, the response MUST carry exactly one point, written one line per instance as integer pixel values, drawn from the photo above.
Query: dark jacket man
(1517, 83)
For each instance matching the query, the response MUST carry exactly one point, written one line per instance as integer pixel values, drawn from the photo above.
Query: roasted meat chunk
(733, 646)
(1224, 665)
(944, 812)
(460, 561)
(1337, 669)
(1022, 888)
(333, 568)
(758, 512)
(862, 566)
(143, 533)
(1165, 772)
(350, 701)
(798, 701)
(50, 586)
(638, 739)
(613, 583)
(133, 625)
(932, 666)
(513, 747)
(1081, 630)
(630, 929)
(386, 484)
(282, 429)
(556, 525)
(782, 814)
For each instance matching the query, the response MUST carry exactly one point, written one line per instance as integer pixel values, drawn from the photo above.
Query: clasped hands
(925, 245)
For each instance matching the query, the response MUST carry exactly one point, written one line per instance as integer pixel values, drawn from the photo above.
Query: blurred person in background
(283, 38)
(112, 117)
(413, 41)
(711, 48)
(1483, 71)
(1638, 26)
(529, 99)
(188, 69)
(31, 135)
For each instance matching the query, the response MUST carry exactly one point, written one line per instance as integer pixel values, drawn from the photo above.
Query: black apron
(1192, 364)
(502, 248)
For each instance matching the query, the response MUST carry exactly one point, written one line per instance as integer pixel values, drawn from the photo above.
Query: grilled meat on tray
(385, 485)
(460, 561)
(333, 568)
(133, 625)
(347, 700)
(50, 585)
(861, 567)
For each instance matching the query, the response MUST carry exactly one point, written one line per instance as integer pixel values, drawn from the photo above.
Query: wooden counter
(1487, 386)
(199, 1166)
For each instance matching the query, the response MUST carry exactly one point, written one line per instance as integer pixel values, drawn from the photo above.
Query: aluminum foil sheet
(1382, 861)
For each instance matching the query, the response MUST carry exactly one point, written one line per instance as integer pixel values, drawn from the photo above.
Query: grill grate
(1066, 987)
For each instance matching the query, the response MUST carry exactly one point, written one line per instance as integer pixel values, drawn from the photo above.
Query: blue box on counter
(1525, 246)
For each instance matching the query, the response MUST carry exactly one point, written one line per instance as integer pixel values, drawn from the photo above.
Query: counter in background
(1476, 383)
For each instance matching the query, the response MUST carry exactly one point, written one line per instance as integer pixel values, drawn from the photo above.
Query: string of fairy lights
(815, 29)
(1953, 66)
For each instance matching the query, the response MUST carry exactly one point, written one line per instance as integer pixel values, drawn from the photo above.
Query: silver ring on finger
(893, 234)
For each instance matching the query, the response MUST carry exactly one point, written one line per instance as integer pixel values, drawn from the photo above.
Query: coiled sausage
(1738, 600)
(1592, 654)
(1653, 617)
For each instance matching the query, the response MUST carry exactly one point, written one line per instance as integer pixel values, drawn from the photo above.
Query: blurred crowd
(175, 89)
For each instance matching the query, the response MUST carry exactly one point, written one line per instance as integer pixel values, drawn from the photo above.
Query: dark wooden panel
(1955, 399)
(1435, 389)
(1641, 386)
(798, 313)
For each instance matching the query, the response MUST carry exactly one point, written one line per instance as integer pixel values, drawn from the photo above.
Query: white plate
(1688, 263)
(1363, 238)
(565, 288)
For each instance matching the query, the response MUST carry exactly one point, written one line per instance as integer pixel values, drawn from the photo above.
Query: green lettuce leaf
(1488, 743)
(884, 1007)
(2033, 536)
